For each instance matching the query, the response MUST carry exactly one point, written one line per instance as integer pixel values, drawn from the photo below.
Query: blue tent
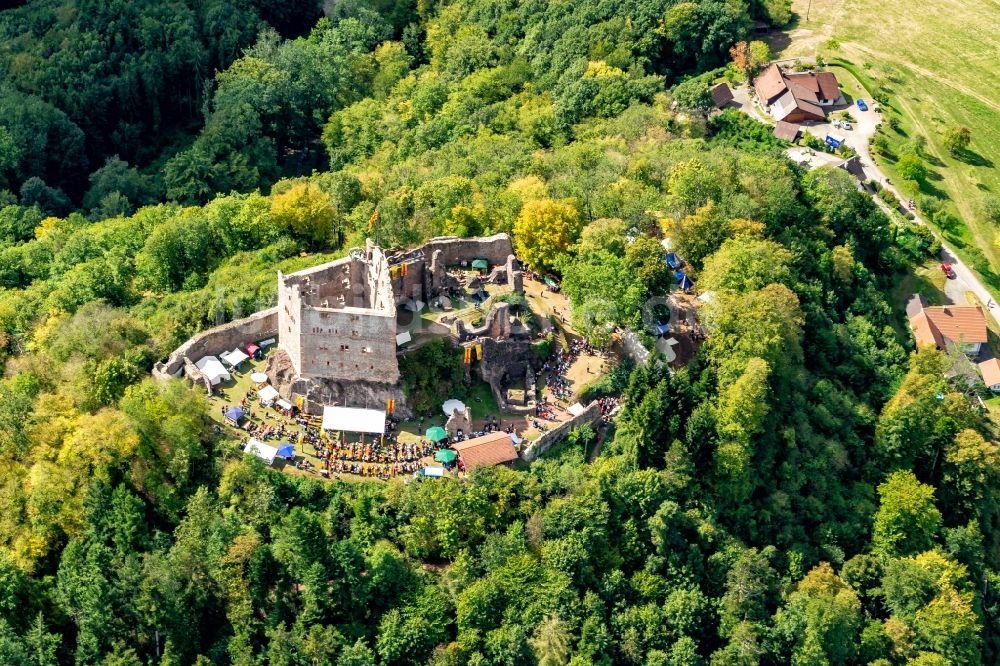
(235, 414)
(680, 276)
(685, 283)
(673, 261)
(286, 450)
(662, 329)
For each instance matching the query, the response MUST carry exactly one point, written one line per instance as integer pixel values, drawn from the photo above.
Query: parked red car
(947, 269)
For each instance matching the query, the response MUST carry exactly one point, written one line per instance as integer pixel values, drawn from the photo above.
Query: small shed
(991, 374)
(722, 95)
(786, 131)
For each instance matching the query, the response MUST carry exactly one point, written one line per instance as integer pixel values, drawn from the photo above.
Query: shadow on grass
(933, 160)
(928, 188)
(972, 158)
(983, 187)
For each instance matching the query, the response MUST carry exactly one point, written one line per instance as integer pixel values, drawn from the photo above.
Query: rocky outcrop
(317, 393)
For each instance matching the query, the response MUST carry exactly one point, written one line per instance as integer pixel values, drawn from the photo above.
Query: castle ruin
(338, 320)
(335, 324)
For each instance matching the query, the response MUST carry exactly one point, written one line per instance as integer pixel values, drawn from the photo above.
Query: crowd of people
(609, 406)
(557, 368)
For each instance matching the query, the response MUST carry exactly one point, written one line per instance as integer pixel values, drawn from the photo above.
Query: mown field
(938, 63)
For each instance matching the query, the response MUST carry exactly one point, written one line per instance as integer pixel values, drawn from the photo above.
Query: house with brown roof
(722, 95)
(495, 448)
(786, 131)
(991, 374)
(947, 326)
(799, 97)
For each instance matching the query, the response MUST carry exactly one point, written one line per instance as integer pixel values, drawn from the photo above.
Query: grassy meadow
(938, 64)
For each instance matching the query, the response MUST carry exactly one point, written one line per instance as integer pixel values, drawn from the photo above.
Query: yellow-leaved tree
(307, 211)
(543, 230)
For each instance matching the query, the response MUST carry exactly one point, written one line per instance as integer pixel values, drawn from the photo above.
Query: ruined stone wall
(411, 285)
(214, 341)
(508, 363)
(351, 344)
(328, 285)
(591, 415)
(289, 317)
(380, 291)
(494, 249)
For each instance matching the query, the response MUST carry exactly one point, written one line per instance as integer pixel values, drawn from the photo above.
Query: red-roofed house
(991, 374)
(945, 326)
(796, 98)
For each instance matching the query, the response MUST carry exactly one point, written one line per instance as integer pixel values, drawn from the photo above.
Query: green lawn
(938, 63)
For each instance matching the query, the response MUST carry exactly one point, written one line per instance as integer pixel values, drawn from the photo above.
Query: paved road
(965, 279)
(865, 125)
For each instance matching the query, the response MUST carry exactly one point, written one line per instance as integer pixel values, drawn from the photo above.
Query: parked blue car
(862, 105)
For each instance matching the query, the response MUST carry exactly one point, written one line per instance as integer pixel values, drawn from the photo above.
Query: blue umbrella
(286, 451)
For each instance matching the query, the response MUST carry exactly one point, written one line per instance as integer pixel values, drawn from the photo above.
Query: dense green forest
(808, 490)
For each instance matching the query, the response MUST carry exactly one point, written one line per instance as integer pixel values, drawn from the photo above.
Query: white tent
(258, 377)
(403, 338)
(284, 404)
(350, 419)
(261, 450)
(451, 406)
(267, 395)
(575, 409)
(212, 368)
(235, 357)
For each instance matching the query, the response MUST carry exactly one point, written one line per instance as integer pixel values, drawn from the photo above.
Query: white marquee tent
(267, 395)
(212, 368)
(349, 419)
(261, 450)
(235, 357)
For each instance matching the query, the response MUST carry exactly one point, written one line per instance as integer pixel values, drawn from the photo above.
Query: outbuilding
(991, 374)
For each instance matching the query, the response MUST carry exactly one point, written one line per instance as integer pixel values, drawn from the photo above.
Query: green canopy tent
(445, 456)
(480, 264)
(436, 434)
